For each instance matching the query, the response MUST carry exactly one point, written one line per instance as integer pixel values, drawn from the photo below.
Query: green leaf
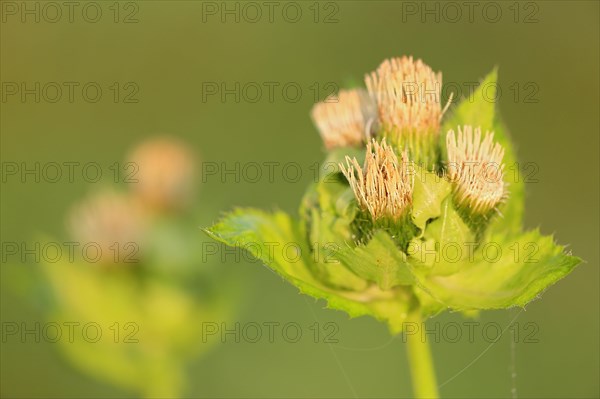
(428, 305)
(441, 247)
(449, 228)
(328, 211)
(273, 238)
(502, 272)
(379, 261)
(480, 110)
(328, 207)
(257, 231)
(510, 219)
(429, 192)
(477, 109)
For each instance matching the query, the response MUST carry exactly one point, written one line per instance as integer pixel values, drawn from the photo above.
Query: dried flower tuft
(345, 119)
(476, 169)
(407, 93)
(384, 185)
(110, 222)
(165, 173)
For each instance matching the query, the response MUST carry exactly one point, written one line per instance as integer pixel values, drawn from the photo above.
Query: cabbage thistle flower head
(164, 173)
(408, 95)
(476, 170)
(344, 120)
(384, 185)
(111, 222)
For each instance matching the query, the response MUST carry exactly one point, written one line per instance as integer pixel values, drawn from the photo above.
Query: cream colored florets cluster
(475, 168)
(401, 109)
(384, 185)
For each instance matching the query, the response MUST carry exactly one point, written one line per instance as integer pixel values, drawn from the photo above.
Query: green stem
(421, 363)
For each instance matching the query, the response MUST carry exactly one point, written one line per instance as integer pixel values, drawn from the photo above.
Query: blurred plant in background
(147, 287)
(429, 222)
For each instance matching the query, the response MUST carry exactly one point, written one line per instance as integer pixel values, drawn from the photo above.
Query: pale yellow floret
(408, 94)
(344, 119)
(476, 169)
(110, 222)
(164, 173)
(384, 185)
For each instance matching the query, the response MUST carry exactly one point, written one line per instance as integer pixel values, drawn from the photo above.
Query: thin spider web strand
(335, 356)
(482, 353)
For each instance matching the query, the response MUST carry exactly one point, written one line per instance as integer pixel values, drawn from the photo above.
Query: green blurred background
(171, 52)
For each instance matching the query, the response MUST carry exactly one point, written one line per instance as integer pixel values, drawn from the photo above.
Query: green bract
(438, 259)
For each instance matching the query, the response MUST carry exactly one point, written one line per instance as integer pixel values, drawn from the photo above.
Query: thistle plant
(144, 288)
(418, 215)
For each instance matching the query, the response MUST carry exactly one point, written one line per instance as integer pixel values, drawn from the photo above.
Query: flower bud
(165, 173)
(407, 94)
(344, 120)
(476, 170)
(383, 186)
(111, 222)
